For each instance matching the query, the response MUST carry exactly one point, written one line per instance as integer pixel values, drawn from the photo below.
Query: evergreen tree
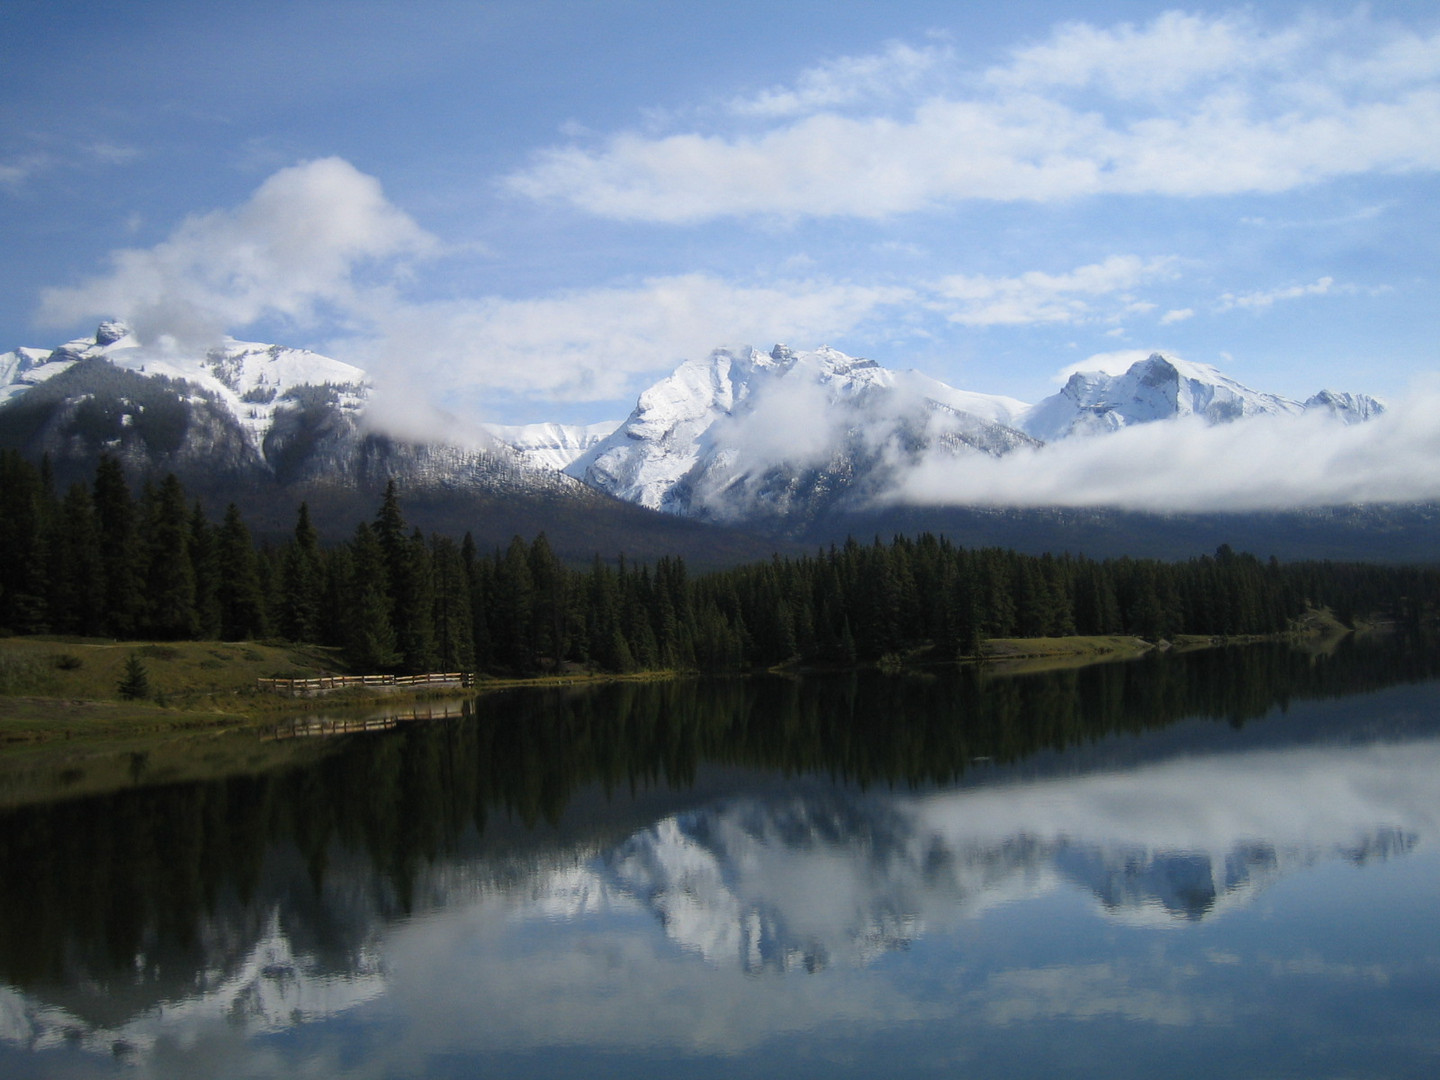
(135, 683)
(77, 578)
(453, 618)
(302, 582)
(119, 547)
(170, 611)
(413, 611)
(24, 539)
(370, 635)
(239, 593)
(513, 608)
(550, 608)
(207, 588)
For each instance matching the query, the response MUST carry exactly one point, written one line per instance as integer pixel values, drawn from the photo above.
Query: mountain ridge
(727, 459)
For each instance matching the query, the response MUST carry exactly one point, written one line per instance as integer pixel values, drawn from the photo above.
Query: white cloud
(294, 247)
(1039, 297)
(1184, 106)
(591, 344)
(15, 172)
(1177, 315)
(1172, 54)
(849, 80)
(1261, 463)
(319, 245)
(1264, 298)
(1109, 363)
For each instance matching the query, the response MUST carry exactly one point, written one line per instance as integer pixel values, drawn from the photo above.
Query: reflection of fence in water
(313, 726)
(310, 687)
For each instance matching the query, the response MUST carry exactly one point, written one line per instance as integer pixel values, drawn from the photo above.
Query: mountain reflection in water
(699, 872)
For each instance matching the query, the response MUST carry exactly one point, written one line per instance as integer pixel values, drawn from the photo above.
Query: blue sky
(530, 210)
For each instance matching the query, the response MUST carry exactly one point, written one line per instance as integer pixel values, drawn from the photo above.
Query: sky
(529, 211)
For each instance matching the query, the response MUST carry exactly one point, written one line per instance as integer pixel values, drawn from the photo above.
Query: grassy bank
(1038, 654)
(69, 688)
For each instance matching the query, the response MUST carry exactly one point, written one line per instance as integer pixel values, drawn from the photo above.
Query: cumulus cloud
(590, 344)
(1185, 105)
(296, 247)
(319, 245)
(1259, 463)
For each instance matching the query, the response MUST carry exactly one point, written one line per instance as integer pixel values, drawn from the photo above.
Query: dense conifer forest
(103, 560)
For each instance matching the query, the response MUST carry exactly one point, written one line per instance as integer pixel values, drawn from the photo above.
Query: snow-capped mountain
(775, 440)
(253, 382)
(1161, 387)
(791, 443)
(767, 437)
(267, 427)
(264, 410)
(551, 446)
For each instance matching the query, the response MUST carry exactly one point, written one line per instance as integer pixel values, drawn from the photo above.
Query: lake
(1222, 863)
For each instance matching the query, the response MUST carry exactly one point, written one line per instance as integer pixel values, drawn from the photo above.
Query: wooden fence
(310, 687)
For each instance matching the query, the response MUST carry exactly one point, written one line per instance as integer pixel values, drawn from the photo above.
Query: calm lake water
(1219, 864)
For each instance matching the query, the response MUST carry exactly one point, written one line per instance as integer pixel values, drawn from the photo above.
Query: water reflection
(738, 873)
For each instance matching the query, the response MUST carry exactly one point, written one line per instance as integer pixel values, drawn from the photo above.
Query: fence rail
(302, 687)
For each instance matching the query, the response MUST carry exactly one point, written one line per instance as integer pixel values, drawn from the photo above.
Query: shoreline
(211, 688)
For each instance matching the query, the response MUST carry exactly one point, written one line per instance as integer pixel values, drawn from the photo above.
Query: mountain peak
(783, 433)
(1159, 387)
(110, 332)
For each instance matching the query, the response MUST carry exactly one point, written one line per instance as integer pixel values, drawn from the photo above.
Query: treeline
(103, 561)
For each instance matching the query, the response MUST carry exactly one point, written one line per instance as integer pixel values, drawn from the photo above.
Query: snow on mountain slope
(1161, 387)
(250, 379)
(551, 446)
(20, 369)
(1156, 388)
(746, 434)
(1345, 407)
(239, 408)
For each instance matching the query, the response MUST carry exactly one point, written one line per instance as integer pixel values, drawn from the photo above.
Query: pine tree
(119, 547)
(413, 598)
(513, 608)
(370, 635)
(239, 593)
(169, 569)
(135, 683)
(77, 578)
(302, 582)
(24, 538)
(202, 557)
(452, 615)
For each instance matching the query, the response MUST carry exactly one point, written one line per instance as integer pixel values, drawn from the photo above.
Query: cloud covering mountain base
(1186, 465)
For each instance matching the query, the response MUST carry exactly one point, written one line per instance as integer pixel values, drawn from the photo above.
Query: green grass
(1036, 654)
(54, 687)
(179, 673)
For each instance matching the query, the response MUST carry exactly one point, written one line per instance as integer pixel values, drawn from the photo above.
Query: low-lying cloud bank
(1184, 465)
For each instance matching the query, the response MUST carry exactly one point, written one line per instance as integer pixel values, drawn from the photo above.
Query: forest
(103, 560)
